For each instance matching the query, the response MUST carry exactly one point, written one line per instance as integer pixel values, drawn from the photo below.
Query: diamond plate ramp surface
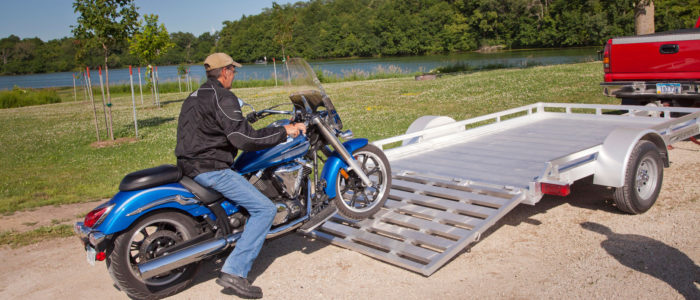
(426, 221)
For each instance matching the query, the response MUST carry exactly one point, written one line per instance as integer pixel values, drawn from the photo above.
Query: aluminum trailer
(451, 181)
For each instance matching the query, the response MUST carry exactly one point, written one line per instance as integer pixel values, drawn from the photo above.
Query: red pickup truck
(661, 68)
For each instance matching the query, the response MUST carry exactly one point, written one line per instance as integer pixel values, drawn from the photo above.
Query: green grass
(18, 97)
(47, 158)
(379, 72)
(462, 67)
(18, 239)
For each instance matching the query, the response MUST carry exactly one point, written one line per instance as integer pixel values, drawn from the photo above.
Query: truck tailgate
(661, 56)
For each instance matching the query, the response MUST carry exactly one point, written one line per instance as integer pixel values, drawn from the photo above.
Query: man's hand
(294, 128)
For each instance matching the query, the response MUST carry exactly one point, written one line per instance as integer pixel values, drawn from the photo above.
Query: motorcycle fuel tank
(290, 150)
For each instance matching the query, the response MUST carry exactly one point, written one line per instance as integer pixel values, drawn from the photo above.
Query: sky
(51, 19)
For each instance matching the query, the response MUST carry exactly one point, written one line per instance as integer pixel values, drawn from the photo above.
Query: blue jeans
(237, 189)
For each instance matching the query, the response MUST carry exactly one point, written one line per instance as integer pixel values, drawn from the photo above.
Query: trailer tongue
(453, 181)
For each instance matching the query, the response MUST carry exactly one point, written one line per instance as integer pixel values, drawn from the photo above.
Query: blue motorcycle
(154, 233)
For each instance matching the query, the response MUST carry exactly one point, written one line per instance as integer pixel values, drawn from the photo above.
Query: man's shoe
(240, 286)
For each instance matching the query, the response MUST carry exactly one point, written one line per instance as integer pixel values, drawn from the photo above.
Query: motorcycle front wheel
(144, 241)
(353, 199)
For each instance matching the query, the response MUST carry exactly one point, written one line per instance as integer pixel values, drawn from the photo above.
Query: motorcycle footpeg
(319, 219)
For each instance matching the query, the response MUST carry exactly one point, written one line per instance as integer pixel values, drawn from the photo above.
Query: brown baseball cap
(219, 60)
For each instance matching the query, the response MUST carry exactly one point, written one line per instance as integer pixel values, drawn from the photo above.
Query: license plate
(668, 88)
(90, 254)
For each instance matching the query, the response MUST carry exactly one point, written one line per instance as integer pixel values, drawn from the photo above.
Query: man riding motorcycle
(211, 129)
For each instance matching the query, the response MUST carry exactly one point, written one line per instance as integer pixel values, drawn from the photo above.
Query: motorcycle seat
(151, 177)
(206, 195)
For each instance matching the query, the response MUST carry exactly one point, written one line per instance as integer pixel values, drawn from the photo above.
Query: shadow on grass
(164, 103)
(155, 121)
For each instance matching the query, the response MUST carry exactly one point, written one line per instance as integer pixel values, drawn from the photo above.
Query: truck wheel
(643, 179)
(143, 242)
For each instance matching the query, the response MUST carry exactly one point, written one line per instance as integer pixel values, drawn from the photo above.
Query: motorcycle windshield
(306, 91)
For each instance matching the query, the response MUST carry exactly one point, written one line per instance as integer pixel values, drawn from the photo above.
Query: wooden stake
(274, 66)
(109, 101)
(140, 89)
(85, 87)
(153, 85)
(133, 102)
(155, 71)
(92, 99)
(105, 107)
(75, 93)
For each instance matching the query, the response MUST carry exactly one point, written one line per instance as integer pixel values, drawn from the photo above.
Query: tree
(105, 24)
(184, 44)
(6, 46)
(151, 41)
(285, 19)
(644, 17)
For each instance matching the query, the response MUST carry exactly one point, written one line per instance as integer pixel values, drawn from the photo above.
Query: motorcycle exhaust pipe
(182, 257)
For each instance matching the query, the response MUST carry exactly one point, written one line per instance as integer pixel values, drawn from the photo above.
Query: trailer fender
(614, 157)
(427, 122)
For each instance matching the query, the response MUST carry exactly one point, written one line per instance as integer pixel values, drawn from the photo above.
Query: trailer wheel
(643, 179)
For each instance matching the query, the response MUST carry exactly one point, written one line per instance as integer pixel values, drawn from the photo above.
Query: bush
(18, 97)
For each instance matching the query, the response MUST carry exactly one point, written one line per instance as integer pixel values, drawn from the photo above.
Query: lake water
(339, 67)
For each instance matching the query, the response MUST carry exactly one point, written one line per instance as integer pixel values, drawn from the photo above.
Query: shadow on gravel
(584, 194)
(651, 257)
(272, 249)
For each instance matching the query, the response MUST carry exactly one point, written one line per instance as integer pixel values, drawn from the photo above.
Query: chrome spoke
(375, 170)
(352, 200)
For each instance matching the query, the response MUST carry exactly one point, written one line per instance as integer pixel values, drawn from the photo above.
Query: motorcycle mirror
(242, 103)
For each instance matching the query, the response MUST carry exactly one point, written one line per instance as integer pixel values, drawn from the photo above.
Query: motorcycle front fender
(130, 206)
(335, 162)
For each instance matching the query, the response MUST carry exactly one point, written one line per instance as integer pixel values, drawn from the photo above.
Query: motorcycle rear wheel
(138, 244)
(353, 199)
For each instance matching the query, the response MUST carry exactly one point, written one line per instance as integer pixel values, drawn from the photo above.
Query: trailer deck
(452, 182)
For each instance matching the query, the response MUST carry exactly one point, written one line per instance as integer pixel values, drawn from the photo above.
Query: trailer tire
(643, 179)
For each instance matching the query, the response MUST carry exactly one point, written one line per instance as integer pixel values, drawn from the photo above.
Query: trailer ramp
(426, 221)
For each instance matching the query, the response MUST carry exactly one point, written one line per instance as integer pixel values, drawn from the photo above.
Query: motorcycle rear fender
(334, 163)
(132, 205)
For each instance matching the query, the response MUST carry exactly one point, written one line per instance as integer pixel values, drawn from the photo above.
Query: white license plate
(668, 88)
(90, 254)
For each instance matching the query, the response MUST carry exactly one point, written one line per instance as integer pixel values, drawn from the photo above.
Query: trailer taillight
(606, 56)
(555, 189)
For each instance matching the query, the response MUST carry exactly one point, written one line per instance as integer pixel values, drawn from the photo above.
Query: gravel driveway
(579, 246)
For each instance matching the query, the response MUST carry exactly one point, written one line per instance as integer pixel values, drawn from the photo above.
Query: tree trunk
(109, 98)
(644, 17)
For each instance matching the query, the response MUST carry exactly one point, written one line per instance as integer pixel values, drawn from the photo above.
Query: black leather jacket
(212, 128)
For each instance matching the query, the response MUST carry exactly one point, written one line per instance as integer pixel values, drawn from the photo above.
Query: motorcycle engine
(283, 186)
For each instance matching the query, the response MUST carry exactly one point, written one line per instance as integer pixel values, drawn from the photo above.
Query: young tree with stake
(103, 24)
